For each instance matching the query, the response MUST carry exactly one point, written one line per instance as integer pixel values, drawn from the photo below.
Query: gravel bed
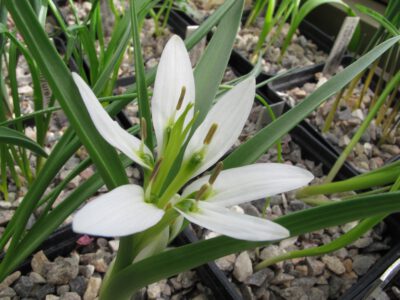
(369, 153)
(301, 52)
(325, 277)
(79, 276)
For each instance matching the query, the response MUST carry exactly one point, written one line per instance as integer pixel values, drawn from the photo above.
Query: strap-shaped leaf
(254, 148)
(212, 65)
(171, 262)
(13, 137)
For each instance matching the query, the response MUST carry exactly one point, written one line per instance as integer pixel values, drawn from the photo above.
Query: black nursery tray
(323, 150)
(314, 146)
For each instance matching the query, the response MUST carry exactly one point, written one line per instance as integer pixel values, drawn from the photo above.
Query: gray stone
(154, 290)
(36, 277)
(334, 264)
(187, 279)
(62, 289)
(258, 278)
(282, 278)
(5, 216)
(361, 263)
(304, 282)
(363, 242)
(243, 267)
(250, 209)
(247, 293)
(10, 279)
(78, 285)
(392, 149)
(270, 252)
(296, 205)
(316, 267)
(226, 263)
(24, 286)
(70, 296)
(86, 271)
(7, 292)
(38, 263)
(92, 289)
(293, 293)
(52, 297)
(316, 294)
(335, 285)
(40, 291)
(62, 271)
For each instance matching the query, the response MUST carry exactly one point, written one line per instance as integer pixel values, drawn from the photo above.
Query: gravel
(370, 152)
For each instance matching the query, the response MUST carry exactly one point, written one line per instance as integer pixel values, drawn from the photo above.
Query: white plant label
(340, 46)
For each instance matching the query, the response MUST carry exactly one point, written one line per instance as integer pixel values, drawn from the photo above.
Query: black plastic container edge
(59, 243)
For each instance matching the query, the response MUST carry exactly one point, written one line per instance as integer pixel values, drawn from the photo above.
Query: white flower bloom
(118, 213)
(129, 209)
(173, 73)
(108, 128)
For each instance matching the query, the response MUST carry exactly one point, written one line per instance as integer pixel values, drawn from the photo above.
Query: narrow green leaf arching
(173, 261)
(254, 148)
(14, 137)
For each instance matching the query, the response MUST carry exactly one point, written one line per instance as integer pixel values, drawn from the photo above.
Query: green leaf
(211, 68)
(254, 148)
(143, 98)
(10, 136)
(177, 260)
(64, 89)
(382, 20)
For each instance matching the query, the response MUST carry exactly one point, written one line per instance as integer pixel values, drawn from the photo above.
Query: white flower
(130, 208)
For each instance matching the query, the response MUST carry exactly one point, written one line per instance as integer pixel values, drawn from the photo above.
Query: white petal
(174, 71)
(118, 213)
(239, 185)
(238, 226)
(230, 114)
(107, 127)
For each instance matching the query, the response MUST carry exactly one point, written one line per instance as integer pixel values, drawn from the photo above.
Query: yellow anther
(218, 168)
(200, 193)
(210, 134)
(181, 96)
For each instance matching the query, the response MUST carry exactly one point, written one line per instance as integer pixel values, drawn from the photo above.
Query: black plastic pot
(59, 243)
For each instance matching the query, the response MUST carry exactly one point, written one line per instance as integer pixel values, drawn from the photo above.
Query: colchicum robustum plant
(193, 130)
(130, 209)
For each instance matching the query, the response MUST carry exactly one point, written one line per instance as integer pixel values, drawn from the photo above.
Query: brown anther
(200, 193)
(210, 134)
(181, 96)
(143, 128)
(156, 169)
(218, 168)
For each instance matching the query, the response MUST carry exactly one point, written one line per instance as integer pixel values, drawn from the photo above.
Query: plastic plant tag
(341, 43)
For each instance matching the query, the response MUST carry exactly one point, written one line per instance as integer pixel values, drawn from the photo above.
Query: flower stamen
(217, 170)
(210, 134)
(202, 191)
(181, 97)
